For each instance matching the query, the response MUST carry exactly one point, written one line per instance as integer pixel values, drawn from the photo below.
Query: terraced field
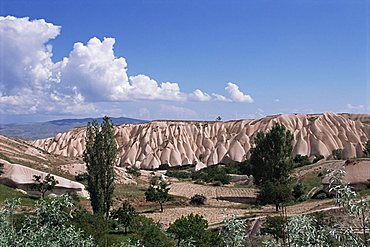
(216, 195)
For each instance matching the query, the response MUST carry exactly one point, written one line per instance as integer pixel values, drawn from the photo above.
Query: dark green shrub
(298, 190)
(274, 226)
(337, 154)
(321, 195)
(301, 160)
(134, 171)
(178, 174)
(212, 174)
(164, 167)
(149, 233)
(317, 158)
(191, 227)
(198, 199)
(81, 177)
(124, 215)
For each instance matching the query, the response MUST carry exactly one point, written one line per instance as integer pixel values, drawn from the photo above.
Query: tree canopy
(271, 157)
(100, 157)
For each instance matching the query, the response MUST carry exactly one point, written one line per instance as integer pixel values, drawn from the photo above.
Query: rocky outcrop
(21, 177)
(148, 145)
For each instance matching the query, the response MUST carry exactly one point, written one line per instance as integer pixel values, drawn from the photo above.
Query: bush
(125, 215)
(337, 154)
(298, 190)
(212, 174)
(274, 226)
(191, 227)
(134, 171)
(198, 199)
(81, 177)
(178, 174)
(317, 158)
(301, 160)
(164, 167)
(149, 233)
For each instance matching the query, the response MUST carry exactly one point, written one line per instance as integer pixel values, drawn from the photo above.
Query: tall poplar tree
(100, 157)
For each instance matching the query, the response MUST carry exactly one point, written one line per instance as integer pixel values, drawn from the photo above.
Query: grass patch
(9, 193)
(129, 191)
(310, 181)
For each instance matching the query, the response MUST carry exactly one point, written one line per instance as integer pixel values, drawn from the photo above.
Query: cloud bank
(31, 82)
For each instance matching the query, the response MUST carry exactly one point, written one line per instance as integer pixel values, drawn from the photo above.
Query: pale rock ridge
(21, 177)
(148, 145)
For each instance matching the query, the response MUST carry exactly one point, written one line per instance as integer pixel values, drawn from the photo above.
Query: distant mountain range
(42, 130)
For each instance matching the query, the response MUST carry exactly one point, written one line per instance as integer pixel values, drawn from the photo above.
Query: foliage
(337, 154)
(317, 158)
(164, 167)
(191, 227)
(149, 233)
(45, 184)
(298, 190)
(274, 225)
(47, 226)
(92, 225)
(218, 118)
(245, 167)
(233, 232)
(81, 177)
(301, 160)
(367, 149)
(271, 158)
(198, 199)
(158, 192)
(178, 174)
(303, 231)
(201, 157)
(276, 192)
(125, 215)
(355, 205)
(100, 157)
(212, 174)
(134, 171)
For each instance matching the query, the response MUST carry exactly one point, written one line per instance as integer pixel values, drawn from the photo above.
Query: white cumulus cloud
(219, 97)
(198, 95)
(237, 95)
(30, 82)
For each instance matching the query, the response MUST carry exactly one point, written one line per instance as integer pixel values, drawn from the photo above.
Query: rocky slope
(148, 145)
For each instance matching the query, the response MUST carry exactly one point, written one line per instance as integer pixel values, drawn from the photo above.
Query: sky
(182, 59)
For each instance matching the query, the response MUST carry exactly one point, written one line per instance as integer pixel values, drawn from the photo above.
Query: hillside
(147, 145)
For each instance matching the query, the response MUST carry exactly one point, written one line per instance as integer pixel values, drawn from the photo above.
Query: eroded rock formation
(148, 145)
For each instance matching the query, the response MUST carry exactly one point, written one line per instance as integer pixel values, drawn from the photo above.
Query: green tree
(191, 227)
(301, 160)
(337, 154)
(100, 157)
(298, 190)
(271, 162)
(367, 149)
(275, 226)
(125, 215)
(46, 226)
(45, 184)
(149, 233)
(275, 192)
(271, 158)
(158, 192)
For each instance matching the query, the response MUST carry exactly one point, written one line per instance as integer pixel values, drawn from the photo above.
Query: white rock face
(21, 177)
(148, 145)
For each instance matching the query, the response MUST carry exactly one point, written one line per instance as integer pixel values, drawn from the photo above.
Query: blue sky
(271, 56)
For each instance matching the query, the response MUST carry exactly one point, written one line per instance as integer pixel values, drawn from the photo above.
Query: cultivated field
(216, 195)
